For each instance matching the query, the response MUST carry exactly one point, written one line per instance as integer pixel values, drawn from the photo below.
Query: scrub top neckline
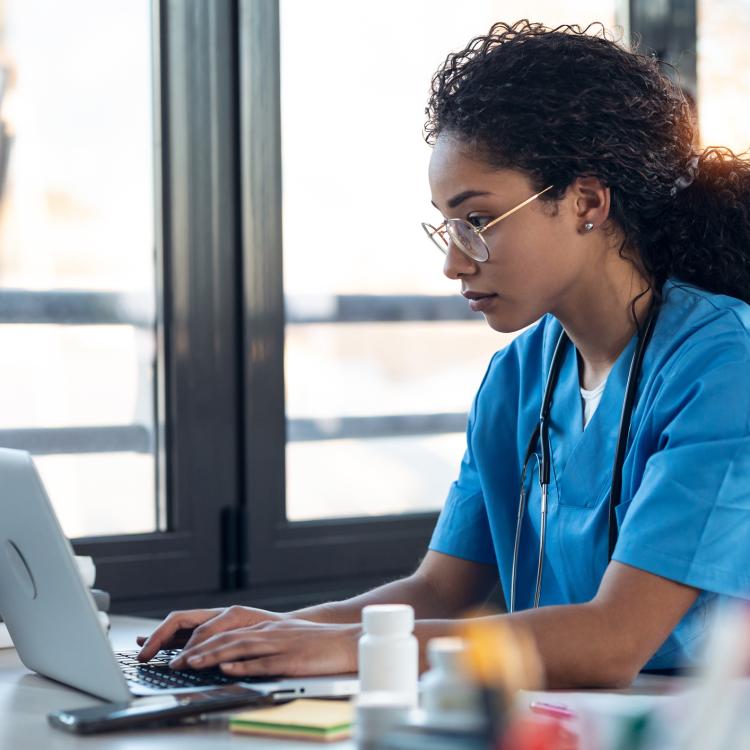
(592, 393)
(578, 453)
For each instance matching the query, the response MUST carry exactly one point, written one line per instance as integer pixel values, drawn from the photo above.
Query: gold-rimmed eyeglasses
(467, 237)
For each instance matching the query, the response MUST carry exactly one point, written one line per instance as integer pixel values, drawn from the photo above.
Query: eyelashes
(479, 222)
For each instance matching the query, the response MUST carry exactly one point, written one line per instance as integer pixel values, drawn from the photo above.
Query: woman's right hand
(188, 628)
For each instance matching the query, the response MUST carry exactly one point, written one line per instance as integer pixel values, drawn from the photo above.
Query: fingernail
(195, 659)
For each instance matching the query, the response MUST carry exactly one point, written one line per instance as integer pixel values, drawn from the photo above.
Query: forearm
(582, 645)
(578, 644)
(414, 590)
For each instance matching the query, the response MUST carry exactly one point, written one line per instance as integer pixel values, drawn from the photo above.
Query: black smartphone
(156, 711)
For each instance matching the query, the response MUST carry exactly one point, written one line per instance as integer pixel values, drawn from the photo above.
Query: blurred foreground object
(6, 139)
(715, 715)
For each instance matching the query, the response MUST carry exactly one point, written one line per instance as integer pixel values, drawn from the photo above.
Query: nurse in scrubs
(570, 203)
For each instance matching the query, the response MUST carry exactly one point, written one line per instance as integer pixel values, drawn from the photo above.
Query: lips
(479, 301)
(477, 295)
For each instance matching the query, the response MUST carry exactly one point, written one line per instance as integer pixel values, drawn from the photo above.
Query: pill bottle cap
(388, 619)
(446, 653)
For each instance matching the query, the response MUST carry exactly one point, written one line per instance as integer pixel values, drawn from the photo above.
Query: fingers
(225, 647)
(281, 648)
(230, 618)
(263, 666)
(167, 634)
(178, 640)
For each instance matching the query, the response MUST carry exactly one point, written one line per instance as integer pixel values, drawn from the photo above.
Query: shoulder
(696, 314)
(699, 360)
(700, 327)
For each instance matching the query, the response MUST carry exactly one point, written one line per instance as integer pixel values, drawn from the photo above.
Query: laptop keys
(157, 673)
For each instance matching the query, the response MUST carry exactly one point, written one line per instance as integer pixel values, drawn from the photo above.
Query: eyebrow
(457, 200)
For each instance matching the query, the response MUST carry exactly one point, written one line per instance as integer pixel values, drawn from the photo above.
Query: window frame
(669, 30)
(197, 430)
(279, 551)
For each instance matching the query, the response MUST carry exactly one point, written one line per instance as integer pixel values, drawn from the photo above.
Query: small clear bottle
(448, 695)
(388, 651)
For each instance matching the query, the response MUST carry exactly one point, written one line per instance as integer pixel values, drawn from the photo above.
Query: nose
(457, 263)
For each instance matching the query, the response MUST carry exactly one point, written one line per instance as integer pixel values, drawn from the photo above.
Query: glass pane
(377, 476)
(724, 73)
(77, 274)
(353, 389)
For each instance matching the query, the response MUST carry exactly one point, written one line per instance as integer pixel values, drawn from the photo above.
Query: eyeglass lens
(462, 236)
(467, 239)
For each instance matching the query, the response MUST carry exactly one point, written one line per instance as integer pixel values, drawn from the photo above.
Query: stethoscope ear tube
(624, 432)
(541, 431)
(557, 360)
(519, 521)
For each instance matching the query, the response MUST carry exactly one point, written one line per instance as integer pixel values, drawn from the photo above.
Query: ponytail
(703, 238)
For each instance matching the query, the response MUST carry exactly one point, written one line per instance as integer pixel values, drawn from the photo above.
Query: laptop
(53, 621)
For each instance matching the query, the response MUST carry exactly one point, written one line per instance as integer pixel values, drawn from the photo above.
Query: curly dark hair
(566, 102)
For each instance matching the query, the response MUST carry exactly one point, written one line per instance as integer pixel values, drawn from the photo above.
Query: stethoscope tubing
(541, 435)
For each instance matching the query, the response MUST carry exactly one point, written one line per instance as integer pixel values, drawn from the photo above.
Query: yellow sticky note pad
(324, 720)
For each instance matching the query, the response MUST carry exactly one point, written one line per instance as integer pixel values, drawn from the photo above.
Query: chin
(509, 323)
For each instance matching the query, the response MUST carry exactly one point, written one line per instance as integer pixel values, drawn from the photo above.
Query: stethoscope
(544, 461)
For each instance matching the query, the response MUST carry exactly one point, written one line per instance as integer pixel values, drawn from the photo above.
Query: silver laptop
(52, 618)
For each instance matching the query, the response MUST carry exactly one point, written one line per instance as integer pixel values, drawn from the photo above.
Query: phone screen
(154, 711)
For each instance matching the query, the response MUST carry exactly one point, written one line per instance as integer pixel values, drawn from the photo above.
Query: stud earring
(588, 226)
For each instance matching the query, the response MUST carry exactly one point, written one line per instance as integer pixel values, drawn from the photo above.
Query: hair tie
(688, 176)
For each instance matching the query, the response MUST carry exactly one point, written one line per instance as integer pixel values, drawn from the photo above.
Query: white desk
(27, 698)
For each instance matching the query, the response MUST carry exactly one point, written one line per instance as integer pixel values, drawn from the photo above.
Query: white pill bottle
(388, 651)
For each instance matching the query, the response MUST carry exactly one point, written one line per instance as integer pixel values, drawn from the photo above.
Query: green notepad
(310, 719)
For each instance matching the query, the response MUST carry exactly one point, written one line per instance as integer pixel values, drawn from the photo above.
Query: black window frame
(280, 551)
(667, 29)
(195, 152)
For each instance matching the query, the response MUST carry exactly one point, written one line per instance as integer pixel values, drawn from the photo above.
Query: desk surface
(26, 699)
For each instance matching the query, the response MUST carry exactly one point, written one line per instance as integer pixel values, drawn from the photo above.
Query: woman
(564, 168)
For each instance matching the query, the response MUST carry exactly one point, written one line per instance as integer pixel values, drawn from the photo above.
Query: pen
(553, 710)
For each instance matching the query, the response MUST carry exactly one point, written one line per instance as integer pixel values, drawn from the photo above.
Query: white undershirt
(591, 400)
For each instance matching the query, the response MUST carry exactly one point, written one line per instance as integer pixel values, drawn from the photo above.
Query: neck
(598, 316)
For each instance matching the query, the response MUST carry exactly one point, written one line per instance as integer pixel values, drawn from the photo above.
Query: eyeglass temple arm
(512, 211)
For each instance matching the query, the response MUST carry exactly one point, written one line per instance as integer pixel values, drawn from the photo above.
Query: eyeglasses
(467, 237)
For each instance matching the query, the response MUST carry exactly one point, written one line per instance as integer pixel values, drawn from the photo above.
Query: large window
(361, 360)
(118, 249)
(77, 343)
(223, 334)
(382, 359)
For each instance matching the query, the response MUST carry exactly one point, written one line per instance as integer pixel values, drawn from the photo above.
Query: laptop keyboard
(157, 673)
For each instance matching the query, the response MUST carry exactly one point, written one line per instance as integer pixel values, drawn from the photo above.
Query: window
(118, 317)
(77, 344)
(724, 73)
(230, 386)
(347, 465)
(381, 358)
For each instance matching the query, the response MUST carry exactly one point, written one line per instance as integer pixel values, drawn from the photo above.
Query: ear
(591, 203)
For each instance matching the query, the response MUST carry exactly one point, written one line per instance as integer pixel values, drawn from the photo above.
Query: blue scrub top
(685, 504)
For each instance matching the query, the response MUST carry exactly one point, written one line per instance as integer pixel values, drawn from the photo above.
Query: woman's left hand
(291, 648)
